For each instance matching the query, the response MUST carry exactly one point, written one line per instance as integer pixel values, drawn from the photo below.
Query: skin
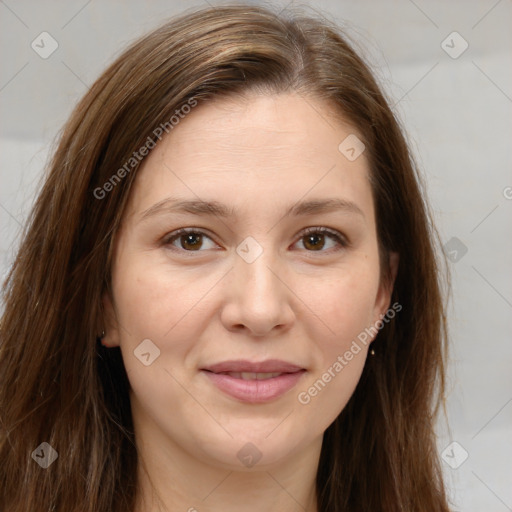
(300, 302)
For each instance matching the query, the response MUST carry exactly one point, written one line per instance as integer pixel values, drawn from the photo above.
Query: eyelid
(334, 233)
(339, 237)
(170, 237)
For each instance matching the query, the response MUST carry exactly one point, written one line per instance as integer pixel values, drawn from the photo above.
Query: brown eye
(189, 240)
(318, 239)
(314, 242)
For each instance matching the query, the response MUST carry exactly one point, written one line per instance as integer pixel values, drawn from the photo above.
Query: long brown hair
(59, 385)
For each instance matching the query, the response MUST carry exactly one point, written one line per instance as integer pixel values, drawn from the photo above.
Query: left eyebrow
(215, 208)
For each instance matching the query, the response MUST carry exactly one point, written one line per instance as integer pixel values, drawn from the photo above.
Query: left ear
(383, 298)
(111, 337)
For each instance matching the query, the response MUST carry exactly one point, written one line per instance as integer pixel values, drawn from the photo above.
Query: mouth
(253, 382)
(251, 375)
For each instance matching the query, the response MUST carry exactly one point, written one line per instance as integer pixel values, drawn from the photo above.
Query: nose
(259, 298)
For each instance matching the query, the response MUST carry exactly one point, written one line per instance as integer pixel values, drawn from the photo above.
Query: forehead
(254, 150)
(260, 126)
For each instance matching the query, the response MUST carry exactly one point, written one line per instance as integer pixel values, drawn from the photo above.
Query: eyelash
(337, 236)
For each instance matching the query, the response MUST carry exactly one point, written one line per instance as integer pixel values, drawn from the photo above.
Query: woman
(227, 295)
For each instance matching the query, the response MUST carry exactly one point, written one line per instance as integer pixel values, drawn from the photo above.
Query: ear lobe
(111, 328)
(386, 286)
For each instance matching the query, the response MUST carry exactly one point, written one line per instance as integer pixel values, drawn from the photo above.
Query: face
(235, 333)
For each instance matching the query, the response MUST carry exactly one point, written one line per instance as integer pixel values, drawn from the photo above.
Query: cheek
(171, 309)
(344, 304)
(152, 300)
(159, 306)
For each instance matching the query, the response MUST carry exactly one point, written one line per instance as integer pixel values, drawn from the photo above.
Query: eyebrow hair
(199, 207)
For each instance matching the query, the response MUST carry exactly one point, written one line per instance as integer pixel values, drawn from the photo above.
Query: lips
(254, 382)
(243, 366)
(252, 375)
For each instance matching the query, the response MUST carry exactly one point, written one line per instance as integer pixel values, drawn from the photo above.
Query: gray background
(458, 116)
